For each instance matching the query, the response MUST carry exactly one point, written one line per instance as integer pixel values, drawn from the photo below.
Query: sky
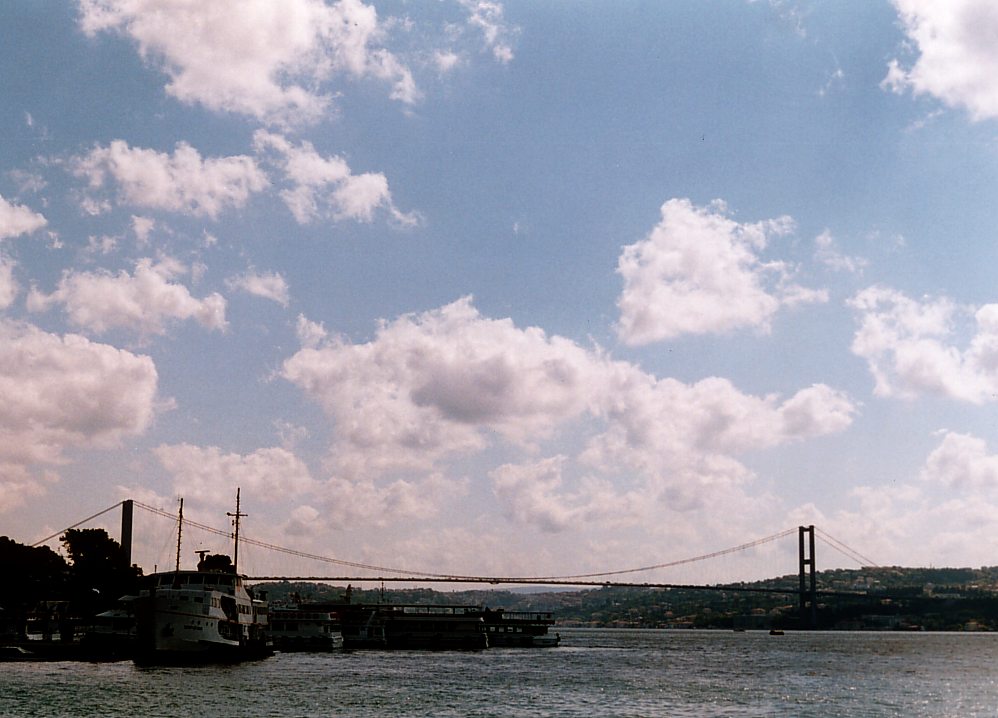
(503, 288)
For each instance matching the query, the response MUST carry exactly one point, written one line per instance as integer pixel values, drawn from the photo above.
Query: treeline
(39, 581)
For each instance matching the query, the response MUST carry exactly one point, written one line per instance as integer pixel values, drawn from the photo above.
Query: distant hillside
(878, 598)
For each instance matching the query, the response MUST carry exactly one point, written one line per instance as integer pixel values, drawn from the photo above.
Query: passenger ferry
(298, 628)
(524, 629)
(204, 615)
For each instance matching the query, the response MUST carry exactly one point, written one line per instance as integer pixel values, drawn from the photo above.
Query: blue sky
(504, 288)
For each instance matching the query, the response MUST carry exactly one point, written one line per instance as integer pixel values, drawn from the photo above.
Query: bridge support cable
(78, 523)
(849, 553)
(427, 575)
(679, 562)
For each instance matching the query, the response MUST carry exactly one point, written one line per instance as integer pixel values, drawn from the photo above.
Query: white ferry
(200, 616)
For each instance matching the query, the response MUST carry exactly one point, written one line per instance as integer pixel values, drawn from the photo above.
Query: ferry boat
(298, 628)
(524, 629)
(206, 615)
(412, 626)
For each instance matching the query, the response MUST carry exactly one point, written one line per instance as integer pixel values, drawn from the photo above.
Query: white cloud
(8, 285)
(325, 186)
(362, 502)
(908, 346)
(533, 493)
(61, 392)
(700, 272)
(143, 227)
(208, 475)
(962, 461)
(958, 55)
(16, 219)
(310, 334)
(255, 57)
(269, 285)
(488, 17)
(948, 515)
(827, 252)
(143, 302)
(182, 182)
(445, 61)
(448, 383)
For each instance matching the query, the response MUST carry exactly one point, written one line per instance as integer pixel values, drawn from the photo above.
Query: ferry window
(198, 599)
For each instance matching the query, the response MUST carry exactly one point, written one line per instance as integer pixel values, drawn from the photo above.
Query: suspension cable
(846, 551)
(78, 523)
(680, 562)
(427, 574)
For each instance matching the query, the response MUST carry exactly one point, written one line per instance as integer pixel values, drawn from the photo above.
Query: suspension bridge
(805, 587)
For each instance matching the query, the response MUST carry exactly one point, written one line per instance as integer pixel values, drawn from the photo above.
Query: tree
(32, 574)
(99, 572)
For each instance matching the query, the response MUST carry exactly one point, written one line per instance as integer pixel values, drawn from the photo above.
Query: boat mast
(180, 530)
(235, 550)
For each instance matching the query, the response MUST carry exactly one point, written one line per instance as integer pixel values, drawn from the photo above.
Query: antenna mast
(180, 530)
(236, 516)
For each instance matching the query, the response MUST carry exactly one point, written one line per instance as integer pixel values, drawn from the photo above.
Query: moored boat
(297, 628)
(205, 615)
(524, 629)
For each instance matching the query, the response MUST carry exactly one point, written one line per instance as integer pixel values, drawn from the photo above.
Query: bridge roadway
(546, 582)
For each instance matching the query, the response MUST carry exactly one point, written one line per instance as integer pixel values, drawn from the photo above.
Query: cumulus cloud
(949, 514)
(62, 392)
(16, 219)
(325, 186)
(269, 285)
(700, 272)
(181, 182)
(363, 502)
(957, 54)
(211, 476)
(533, 493)
(255, 57)
(962, 461)
(909, 346)
(449, 382)
(143, 302)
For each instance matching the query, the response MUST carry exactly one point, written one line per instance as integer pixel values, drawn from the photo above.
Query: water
(594, 672)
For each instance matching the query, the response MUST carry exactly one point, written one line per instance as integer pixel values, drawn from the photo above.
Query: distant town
(882, 598)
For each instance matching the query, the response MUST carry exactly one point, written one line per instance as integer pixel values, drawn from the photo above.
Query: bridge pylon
(808, 580)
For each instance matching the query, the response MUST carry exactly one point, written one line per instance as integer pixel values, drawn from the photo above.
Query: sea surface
(593, 673)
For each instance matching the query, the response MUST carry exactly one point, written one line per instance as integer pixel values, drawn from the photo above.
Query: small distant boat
(775, 632)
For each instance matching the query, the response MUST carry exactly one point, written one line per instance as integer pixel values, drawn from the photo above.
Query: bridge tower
(808, 581)
(127, 508)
